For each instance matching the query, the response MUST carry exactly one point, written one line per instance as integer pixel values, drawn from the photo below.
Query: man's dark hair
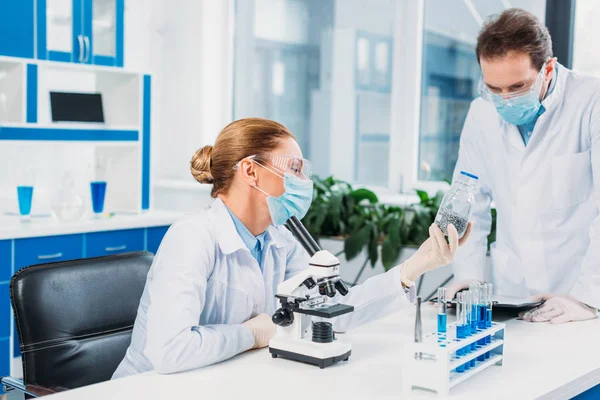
(515, 30)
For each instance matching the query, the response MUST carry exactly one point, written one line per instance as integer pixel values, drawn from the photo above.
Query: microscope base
(320, 362)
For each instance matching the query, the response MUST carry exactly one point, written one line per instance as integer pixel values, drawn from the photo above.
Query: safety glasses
(300, 167)
(504, 99)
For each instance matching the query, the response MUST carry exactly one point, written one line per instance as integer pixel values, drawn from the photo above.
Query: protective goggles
(300, 167)
(503, 99)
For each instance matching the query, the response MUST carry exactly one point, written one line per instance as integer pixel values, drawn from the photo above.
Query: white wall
(186, 45)
(585, 57)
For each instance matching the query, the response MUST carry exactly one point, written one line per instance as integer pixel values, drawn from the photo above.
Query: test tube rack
(432, 363)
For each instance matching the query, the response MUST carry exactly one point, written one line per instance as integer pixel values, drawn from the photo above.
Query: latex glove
(262, 328)
(435, 252)
(457, 286)
(558, 309)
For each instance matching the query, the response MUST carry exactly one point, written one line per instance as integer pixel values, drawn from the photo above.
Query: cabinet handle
(50, 256)
(117, 248)
(88, 51)
(81, 47)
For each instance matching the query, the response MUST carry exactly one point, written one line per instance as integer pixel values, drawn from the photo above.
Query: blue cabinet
(16, 28)
(155, 236)
(5, 260)
(43, 250)
(81, 31)
(107, 243)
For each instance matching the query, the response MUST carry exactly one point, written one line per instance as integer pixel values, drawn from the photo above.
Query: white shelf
(72, 66)
(74, 126)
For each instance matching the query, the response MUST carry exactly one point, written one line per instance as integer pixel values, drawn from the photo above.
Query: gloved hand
(558, 309)
(433, 253)
(262, 328)
(457, 286)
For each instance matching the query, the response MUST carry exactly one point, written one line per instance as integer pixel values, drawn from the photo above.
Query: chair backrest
(75, 318)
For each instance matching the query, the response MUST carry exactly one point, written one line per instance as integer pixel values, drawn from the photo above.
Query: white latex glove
(558, 309)
(262, 328)
(435, 252)
(457, 286)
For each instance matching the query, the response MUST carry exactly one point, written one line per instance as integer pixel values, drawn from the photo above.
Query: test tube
(481, 316)
(466, 301)
(488, 315)
(460, 327)
(441, 293)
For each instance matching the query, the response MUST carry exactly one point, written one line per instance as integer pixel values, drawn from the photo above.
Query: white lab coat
(204, 283)
(547, 195)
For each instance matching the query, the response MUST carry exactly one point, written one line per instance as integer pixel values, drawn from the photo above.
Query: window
(375, 91)
(585, 57)
(450, 74)
(323, 68)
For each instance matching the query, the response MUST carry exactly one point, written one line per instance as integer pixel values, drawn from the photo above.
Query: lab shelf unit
(123, 139)
(81, 31)
(72, 46)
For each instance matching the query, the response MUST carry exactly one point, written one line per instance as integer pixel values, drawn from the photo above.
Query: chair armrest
(11, 383)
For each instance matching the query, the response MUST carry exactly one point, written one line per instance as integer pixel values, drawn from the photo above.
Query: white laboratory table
(542, 361)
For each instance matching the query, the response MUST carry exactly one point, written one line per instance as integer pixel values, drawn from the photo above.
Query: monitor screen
(76, 107)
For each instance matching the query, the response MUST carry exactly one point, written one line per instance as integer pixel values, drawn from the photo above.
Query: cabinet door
(103, 30)
(16, 28)
(155, 236)
(60, 30)
(114, 242)
(44, 250)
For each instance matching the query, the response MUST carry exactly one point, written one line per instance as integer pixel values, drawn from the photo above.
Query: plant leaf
(357, 240)
(362, 194)
(423, 196)
(389, 253)
(373, 253)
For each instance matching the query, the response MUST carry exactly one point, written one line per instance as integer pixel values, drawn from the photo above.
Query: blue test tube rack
(434, 364)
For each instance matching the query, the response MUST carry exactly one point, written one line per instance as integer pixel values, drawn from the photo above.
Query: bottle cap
(469, 175)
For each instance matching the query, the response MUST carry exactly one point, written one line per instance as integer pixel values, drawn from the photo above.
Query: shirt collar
(227, 235)
(249, 239)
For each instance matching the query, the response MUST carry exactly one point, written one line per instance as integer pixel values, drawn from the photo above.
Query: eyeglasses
(300, 167)
(503, 99)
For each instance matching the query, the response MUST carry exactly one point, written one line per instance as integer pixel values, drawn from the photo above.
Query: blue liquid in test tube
(441, 311)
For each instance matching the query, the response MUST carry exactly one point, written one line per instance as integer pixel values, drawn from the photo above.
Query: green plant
(357, 216)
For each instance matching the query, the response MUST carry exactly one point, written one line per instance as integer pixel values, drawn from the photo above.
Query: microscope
(305, 296)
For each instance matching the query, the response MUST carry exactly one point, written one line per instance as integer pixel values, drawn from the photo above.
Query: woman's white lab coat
(204, 283)
(547, 195)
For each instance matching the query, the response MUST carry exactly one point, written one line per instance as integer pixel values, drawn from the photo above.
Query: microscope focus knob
(283, 317)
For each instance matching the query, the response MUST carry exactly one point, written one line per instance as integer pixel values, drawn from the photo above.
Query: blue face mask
(521, 110)
(294, 202)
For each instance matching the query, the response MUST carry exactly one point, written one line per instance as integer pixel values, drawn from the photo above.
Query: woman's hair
(242, 138)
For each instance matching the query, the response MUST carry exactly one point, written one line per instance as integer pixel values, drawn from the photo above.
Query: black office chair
(75, 320)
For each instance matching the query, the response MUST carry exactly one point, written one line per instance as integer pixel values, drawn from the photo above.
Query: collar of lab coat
(555, 97)
(227, 236)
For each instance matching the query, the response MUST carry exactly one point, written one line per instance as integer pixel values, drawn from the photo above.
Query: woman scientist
(211, 289)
